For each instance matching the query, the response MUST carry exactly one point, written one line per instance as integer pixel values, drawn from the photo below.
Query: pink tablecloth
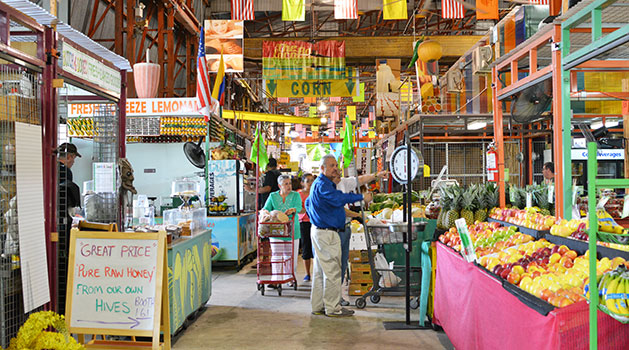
(476, 312)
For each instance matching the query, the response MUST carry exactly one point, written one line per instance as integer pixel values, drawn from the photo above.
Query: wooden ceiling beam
(359, 48)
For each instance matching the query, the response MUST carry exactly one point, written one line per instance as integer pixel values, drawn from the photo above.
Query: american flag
(203, 80)
(452, 9)
(334, 113)
(540, 2)
(242, 10)
(345, 9)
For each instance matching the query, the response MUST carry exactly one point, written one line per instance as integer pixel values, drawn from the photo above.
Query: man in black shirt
(69, 196)
(270, 182)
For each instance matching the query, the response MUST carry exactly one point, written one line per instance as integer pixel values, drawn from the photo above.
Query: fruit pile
(550, 272)
(470, 203)
(578, 229)
(488, 238)
(613, 287)
(530, 218)
(575, 228)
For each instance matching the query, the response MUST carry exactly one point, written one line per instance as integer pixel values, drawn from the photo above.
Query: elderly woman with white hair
(289, 202)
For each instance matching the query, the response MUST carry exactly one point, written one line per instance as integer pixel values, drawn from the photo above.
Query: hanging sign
(302, 60)
(312, 88)
(363, 155)
(601, 154)
(116, 284)
(226, 37)
(88, 68)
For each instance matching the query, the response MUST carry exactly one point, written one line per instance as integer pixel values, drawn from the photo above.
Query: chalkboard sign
(116, 283)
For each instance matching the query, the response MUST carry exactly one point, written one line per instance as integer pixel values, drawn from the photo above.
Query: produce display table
(476, 312)
(189, 277)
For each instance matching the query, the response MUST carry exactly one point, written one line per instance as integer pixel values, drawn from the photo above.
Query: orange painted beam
(498, 136)
(558, 125)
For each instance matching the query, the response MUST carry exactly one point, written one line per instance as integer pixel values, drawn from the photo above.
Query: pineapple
(482, 202)
(456, 195)
(493, 195)
(541, 198)
(445, 202)
(517, 197)
(467, 203)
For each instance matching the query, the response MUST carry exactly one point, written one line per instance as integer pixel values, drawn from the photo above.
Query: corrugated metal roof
(43, 17)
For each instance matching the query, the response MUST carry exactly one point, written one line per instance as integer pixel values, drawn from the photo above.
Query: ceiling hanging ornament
(429, 50)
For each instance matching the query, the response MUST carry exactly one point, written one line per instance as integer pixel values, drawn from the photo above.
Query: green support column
(593, 230)
(566, 113)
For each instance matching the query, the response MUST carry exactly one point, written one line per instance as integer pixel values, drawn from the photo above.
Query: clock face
(398, 164)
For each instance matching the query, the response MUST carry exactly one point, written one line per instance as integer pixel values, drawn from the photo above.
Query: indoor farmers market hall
(314, 174)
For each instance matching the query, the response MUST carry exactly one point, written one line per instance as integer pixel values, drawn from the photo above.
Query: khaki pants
(326, 271)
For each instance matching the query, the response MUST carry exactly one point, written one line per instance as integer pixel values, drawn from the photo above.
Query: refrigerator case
(225, 188)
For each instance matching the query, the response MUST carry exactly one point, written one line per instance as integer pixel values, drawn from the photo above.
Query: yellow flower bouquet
(32, 334)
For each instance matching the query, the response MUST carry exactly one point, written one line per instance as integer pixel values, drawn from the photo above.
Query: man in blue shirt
(325, 207)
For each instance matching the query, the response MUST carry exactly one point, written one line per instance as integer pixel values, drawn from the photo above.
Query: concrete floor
(238, 317)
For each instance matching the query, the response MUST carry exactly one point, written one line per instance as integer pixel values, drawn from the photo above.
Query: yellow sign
(312, 88)
(351, 112)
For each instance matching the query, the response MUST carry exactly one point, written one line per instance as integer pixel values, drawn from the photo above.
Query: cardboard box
(359, 288)
(359, 256)
(361, 277)
(360, 267)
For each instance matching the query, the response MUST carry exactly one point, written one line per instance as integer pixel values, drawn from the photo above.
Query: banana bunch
(614, 291)
(606, 223)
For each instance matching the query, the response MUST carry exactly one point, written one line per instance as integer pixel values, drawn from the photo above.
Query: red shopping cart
(275, 256)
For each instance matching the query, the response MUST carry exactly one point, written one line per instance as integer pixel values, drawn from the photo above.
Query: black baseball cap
(68, 148)
(272, 162)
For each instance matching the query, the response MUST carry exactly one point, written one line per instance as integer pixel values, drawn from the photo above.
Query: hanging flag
(539, 2)
(282, 99)
(345, 9)
(242, 10)
(347, 149)
(351, 112)
(262, 156)
(361, 95)
(312, 112)
(218, 92)
(365, 124)
(203, 80)
(297, 112)
(394, 9)
(293, 10)
(487, 9)
(452, 9)
(334, 113)
(335, 99)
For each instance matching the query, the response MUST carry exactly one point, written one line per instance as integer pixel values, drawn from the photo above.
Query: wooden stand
(160, 318)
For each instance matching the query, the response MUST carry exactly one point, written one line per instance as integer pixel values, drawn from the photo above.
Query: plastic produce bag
(387, 278)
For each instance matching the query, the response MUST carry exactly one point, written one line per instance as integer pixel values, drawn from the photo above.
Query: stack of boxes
(361, 280)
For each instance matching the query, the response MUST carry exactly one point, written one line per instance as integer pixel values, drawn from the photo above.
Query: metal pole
(257, 141)
(409, 218)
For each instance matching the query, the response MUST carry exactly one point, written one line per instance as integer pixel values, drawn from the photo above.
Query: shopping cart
(391, 279)
(275, 257)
